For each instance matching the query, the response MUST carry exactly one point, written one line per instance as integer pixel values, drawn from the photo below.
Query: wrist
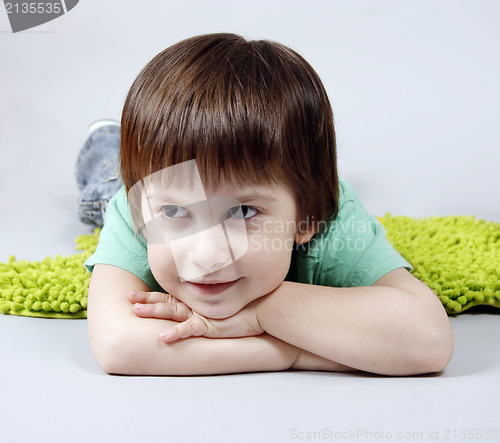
(265, 303)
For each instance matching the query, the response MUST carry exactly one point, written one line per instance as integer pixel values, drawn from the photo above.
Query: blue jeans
(97, 173)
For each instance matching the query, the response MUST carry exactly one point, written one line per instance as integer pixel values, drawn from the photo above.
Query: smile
(208, 288)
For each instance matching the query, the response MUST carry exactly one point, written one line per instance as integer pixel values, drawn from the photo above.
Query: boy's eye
(174, 211)
(243, 212)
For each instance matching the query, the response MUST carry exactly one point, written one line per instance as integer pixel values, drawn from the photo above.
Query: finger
(169, 310)
(192, 327)
(147, 297)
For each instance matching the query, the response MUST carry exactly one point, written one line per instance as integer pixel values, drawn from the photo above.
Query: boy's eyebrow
(244, 198)
(162, 197)
(181, 198)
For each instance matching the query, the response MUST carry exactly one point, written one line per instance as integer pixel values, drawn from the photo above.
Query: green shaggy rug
(458, 257)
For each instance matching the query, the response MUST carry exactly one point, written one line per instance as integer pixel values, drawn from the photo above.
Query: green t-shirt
(351, 251)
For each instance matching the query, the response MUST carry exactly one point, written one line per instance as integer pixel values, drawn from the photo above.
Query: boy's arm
(123, 343)
(396, 327)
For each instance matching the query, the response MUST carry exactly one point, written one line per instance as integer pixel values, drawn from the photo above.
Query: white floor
(53, 391)
(415, 91)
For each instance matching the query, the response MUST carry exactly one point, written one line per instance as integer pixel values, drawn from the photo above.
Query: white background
(414, 86)
(416, 96)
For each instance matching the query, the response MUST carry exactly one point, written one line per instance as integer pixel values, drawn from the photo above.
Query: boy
(233, 207)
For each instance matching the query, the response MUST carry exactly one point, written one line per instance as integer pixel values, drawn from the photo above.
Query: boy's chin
(217, 313)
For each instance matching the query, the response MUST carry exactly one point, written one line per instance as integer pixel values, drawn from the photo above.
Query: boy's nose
(210, 251)
(205, 252)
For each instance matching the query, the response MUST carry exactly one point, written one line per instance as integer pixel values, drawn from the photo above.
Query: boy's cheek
(254, 244)
(161, 262)
(270, 244)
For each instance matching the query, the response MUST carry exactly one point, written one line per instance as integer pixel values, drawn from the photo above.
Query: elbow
(114, 356)
(444, 343)
(120, 355)
(112, 365)
(107, 358)
(433, 351)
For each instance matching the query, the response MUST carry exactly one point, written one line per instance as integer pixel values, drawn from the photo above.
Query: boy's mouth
(212, 288)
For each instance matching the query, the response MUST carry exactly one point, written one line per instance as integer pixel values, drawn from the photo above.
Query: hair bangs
(247, 112)
(224, 118)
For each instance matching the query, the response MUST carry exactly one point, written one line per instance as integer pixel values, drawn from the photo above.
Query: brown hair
(253, 111)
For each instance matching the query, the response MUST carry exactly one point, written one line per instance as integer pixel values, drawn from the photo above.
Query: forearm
(377, 329)
(306, 361)
(134, 347)
(124, 343)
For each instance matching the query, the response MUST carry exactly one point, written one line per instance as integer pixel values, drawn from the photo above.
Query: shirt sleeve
(352, 251)
(119, 246)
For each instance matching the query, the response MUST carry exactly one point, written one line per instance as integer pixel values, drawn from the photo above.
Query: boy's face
(218, 251)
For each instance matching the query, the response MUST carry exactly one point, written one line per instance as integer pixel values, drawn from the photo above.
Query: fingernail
(138, 306)
(133, 294)
(165, 334)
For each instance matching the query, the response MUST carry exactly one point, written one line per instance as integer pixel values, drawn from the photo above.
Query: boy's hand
(191, 324)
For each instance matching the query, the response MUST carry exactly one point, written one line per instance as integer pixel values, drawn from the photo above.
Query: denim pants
(97, 173)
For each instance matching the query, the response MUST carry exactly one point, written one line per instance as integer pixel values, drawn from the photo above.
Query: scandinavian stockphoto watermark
(171, 208)
(206, 232)
(29, 14)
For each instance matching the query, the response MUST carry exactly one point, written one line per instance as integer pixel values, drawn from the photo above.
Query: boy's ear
(304, 236)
